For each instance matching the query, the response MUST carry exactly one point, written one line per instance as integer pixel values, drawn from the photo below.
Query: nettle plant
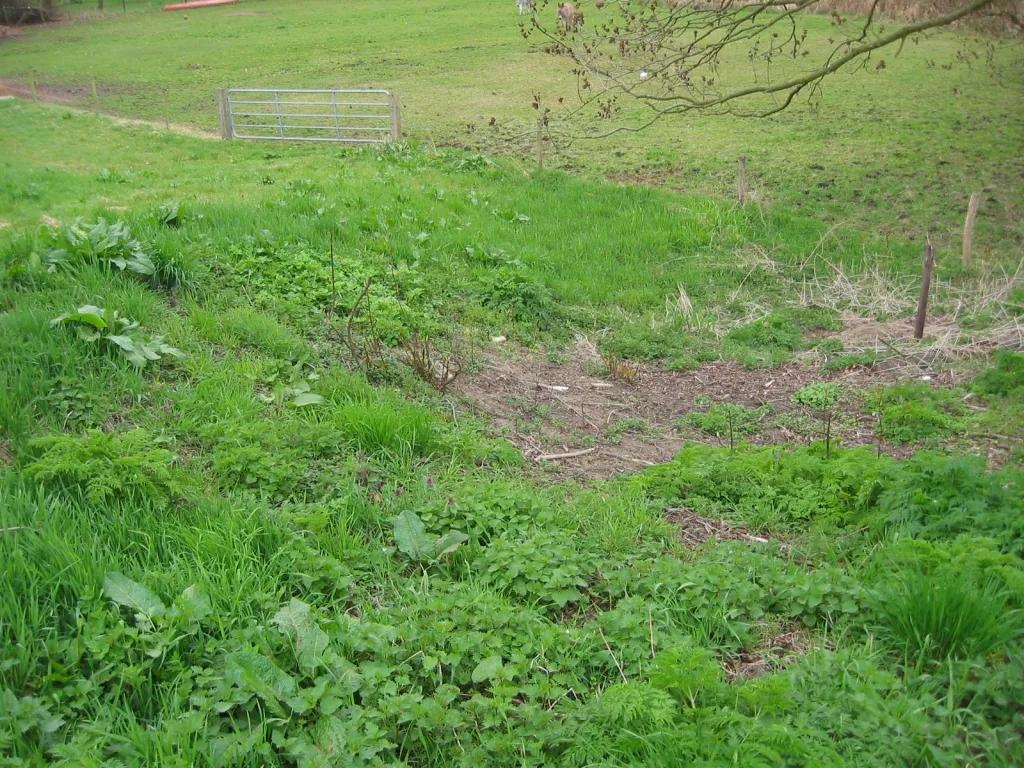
(821, 399)
(107, 328)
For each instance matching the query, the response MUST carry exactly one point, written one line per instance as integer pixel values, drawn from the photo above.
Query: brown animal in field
(569, 19)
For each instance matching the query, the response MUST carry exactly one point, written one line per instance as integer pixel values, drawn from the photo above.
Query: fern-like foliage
(618, 723)
(690, 673)
(107, 467)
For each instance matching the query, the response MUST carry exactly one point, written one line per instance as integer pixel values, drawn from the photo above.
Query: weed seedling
(821, 397)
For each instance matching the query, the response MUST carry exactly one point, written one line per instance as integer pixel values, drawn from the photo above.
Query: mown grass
(895, 152)
(199, 569)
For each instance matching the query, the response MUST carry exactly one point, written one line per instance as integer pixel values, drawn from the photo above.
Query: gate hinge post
(223, 110)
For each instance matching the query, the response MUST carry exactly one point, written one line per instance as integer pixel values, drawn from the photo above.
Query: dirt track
(78, 97)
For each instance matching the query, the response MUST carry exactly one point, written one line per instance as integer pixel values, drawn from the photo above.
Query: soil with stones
(611, 425)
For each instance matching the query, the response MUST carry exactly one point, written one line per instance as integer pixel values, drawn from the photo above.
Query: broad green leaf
(449, 543)
(332, 736)
(412, 537)
(141, 264)
(131, 594)
(148, 349)
(297, 622)
(87, 313)
(124, 342)
(167, 349)
(197, 602)
(306, 398)
(258, 673)
(487, 669)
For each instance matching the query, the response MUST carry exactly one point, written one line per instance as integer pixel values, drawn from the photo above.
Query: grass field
(267, 542)
(891, 153)
(245, 519)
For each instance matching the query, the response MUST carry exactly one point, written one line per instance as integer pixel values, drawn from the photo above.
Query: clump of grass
(387, 428)
(931, 618)
(1005, 378)
(767, 342)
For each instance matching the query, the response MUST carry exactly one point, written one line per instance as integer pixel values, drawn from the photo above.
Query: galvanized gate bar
(287, 120)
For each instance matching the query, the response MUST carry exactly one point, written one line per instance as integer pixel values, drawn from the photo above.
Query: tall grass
(932, 617)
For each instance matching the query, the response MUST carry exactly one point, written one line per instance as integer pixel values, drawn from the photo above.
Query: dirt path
(77, 97)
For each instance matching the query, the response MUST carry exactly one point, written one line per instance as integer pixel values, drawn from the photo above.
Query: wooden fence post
(972, 212)
(224, 113)
(743, 180)
(540, 145)
(396, 117)
(926, 281)
(32, 88)
(95, 95)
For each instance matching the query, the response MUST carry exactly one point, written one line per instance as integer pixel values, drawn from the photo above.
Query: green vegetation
(443, 238)
(1005, 378)
(728, 420)
(863, 154)
(241, 523)
(915, 411)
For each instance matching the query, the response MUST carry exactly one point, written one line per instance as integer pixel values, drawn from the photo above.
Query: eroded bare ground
(575, 407)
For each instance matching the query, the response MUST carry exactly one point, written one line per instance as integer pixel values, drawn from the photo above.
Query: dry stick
(540, 146)
(352, 315)
(610, 651)
(334, 289)
(32, 87)
(569, 455)
(972, 211)
(95, 95)
(926, 281)
(743, 180)
(650, 624)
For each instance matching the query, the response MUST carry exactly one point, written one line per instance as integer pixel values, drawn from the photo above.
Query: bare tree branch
(668, 56)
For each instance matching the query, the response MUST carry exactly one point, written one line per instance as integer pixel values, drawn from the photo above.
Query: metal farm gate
(369, 116)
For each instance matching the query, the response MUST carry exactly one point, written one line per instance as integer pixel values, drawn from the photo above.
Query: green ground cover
(243, 531)
(893, 153)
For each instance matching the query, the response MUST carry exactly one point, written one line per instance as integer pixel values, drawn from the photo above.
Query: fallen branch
(570, 455)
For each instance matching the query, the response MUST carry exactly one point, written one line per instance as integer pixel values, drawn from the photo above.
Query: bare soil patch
(574, 406)
(775, 653)
(694, 530)
(650, 177)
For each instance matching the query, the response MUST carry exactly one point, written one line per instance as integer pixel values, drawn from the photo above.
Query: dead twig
(612, 654)
(569, 455)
